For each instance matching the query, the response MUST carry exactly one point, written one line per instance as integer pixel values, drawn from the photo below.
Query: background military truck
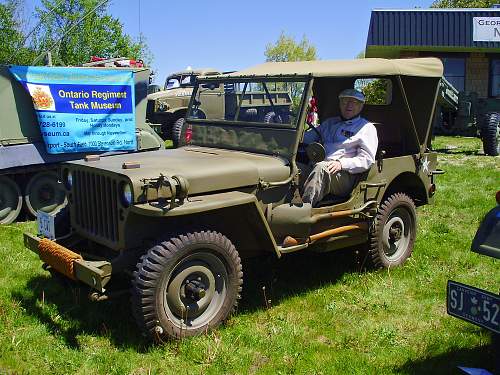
(169, 107)
(467, 114)
(27, 171)
(177, 222)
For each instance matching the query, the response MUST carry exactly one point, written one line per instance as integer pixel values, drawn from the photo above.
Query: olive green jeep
(178, 222)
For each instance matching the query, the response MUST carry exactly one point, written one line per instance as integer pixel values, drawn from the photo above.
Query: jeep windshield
(183, 80)
(257, 116)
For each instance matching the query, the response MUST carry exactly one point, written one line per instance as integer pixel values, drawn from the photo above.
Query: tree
(287, 49)
(463, 3)
(12, 37)
(75, 30)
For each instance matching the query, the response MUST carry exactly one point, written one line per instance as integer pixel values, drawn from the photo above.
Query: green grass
(324, 316)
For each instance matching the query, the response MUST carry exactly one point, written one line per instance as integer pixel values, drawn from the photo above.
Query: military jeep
(178, 222)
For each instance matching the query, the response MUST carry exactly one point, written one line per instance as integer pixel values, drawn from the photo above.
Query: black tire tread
(177, 131)
(489, 134)
(375, 257)
(149, 270)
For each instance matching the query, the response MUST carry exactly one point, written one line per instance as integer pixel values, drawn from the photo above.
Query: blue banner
(82, 109)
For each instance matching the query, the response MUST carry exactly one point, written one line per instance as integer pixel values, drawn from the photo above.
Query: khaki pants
(319, 182)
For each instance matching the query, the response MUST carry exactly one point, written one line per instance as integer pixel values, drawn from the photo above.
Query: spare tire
(491, 134)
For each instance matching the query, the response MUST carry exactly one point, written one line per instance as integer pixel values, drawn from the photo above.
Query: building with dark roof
(466, 40)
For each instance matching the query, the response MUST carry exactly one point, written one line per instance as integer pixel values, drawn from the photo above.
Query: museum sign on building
(466, 40)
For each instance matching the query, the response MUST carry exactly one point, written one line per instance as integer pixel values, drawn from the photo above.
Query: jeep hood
(206, 169)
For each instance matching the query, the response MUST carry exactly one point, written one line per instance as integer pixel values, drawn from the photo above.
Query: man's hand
(333, 166)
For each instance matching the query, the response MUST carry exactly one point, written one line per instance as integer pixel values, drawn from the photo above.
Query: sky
(232, 35)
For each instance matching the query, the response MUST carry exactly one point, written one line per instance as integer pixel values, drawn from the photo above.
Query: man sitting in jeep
(350, 143)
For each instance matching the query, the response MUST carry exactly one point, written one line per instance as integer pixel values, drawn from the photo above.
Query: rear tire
(186, 285)
(491, 134)
(11, 200)
(393, 232)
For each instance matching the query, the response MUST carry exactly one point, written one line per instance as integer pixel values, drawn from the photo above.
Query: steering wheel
(315, 129)
(312, 151)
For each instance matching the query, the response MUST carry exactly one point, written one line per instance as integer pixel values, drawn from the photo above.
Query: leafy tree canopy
(463, 3)
(287, 49)
(75, 30)
(11, 35)
(72, 30)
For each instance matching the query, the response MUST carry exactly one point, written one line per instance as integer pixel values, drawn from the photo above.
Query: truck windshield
(185, 80)
(260, 115)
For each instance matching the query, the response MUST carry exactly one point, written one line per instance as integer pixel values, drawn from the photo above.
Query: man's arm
(366, 151)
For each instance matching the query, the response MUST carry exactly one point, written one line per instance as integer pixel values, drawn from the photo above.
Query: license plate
(473, 305)
(45, 225)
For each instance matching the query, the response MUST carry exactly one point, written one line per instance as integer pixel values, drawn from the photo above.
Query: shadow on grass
(480, 357)
(458, 151)
(63, 307)
(293, 275)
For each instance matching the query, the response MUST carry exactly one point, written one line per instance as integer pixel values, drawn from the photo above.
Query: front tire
(393, 232)
(186, 285)
(491, 134)
(177, 131)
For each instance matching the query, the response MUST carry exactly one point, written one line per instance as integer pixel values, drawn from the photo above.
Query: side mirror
(315, 152)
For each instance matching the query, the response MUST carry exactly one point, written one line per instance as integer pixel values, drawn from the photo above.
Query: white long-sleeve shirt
(353, 142)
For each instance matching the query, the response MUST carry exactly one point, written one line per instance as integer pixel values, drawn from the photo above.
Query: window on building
(454, 71)
(495, 77)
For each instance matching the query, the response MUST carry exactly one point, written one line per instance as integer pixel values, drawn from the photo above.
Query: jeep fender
(236, 214)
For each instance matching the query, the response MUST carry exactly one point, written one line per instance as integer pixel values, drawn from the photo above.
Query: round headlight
(126, 195)
(68, 179)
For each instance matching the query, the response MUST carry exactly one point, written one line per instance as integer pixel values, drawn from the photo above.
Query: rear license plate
(45, 224)
(473, 305)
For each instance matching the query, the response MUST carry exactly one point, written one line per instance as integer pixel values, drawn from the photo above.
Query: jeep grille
(96, 204)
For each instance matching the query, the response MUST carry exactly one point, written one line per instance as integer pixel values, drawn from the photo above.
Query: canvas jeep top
(179, 221)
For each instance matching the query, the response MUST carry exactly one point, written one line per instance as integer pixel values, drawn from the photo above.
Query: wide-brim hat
(352, 93)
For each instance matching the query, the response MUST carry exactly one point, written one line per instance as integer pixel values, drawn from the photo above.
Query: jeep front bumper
(96, 274)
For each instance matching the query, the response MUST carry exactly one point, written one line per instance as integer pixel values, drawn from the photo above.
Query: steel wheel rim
(185, 311)
(10, 200)
(396, 234)
(44, 193)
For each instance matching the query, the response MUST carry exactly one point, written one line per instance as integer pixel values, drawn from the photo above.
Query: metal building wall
(433, 28)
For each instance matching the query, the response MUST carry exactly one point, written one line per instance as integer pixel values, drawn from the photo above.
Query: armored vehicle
(27, 171)
(467, 114)
(179, 221)
(169, 107)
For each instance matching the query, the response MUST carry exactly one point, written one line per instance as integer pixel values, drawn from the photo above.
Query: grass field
(305, 314)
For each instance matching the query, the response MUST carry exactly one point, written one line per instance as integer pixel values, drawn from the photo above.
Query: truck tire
(491, 134)
(177, 131)
(11, 200)
(45, 193)
(186, 285)
(272, 117)
(393, 232)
